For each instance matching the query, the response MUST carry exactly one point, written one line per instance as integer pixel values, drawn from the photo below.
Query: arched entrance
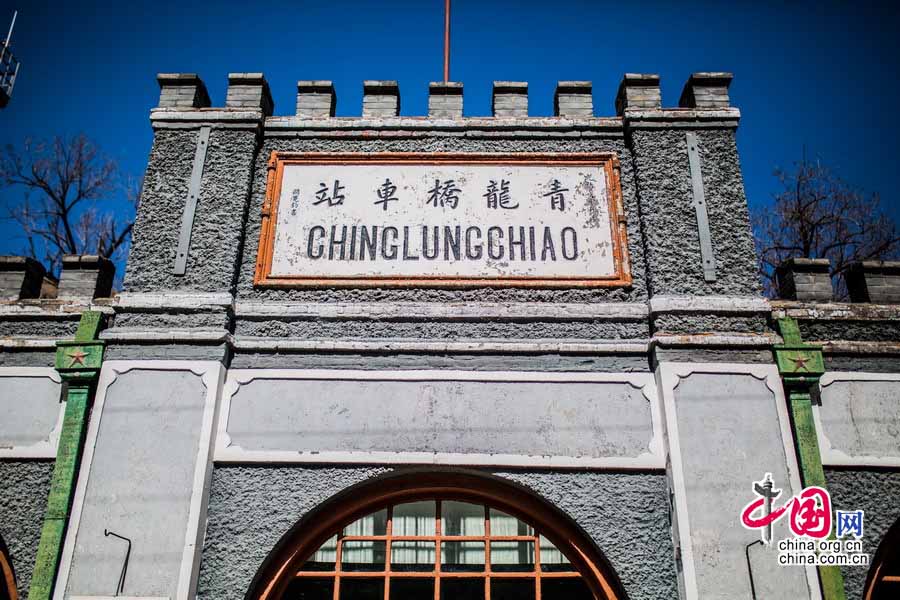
(883, 581)
(7, 575)
(435, 535)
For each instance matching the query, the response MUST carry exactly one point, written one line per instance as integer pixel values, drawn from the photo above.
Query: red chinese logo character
(811, 513)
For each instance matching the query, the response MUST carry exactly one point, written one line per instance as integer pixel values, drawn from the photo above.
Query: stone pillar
(695, 218)
(189, 228)
(249, 91)
(638, 91)
(510, 99)
(445, 100)
(85, 277)
(706, 90)
(804, 279)
(20, 278)
(874, 281)
(315, 99)
(381, 99)
(78, 362)
(181, 91)
(573, 99)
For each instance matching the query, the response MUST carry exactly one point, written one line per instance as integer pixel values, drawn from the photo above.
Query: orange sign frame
(607, 161)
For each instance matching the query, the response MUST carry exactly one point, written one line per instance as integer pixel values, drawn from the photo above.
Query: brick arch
(7, 574)
(883, 580)
(317, 526)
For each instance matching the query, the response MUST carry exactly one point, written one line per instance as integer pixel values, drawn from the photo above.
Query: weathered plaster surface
(250, 508)
(869, 331)
(27, 358)
(878, 494)
(218, 223)
(44, 328)
(23, 500)
(862, 362)
(172, 320)
(443, 330)
(694, 323)
(445, 143)
(670, 222)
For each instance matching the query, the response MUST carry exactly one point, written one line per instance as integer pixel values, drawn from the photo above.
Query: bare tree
(74, 201)
(817, 215)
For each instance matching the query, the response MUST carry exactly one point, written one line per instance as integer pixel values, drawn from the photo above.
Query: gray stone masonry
(874, 281)
(182, 90)
(445, 99)
(86, 276)
(315, 99)
(805, 279)
(573, 99)
(706, 90)
(20, 278)
(249, 91)
(381, 99)
(510, 99)
(638, 91)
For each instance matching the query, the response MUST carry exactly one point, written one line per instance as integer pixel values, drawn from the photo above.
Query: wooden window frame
(284, 564)
(888, 552)
(607, 161)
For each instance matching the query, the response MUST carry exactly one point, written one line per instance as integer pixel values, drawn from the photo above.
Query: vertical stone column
(695, 218)
(801, 365)
(78, 363)
(510, 99)
(189, 229)
(445, 100)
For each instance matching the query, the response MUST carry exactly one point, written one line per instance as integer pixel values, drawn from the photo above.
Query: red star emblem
(800, 363)
(77, 357)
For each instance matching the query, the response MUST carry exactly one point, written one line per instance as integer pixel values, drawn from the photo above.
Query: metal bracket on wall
(190, 206)
(699, 202)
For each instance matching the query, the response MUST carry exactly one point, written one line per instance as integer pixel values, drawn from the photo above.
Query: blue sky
(819, 75)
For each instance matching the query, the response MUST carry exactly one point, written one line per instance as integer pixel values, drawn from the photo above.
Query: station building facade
(442, 357)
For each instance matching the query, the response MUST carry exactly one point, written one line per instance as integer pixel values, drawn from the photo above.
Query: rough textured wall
(24, 486)
(533, 142)
(218, 223)
(250, 508)
(320, 328)
(877, 493)
(670, 221)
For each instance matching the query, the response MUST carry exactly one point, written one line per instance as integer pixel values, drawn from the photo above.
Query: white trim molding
(212, 375)
(45, 448)
(652, 459)
(709, 304)
(833, 457)
(669, 375)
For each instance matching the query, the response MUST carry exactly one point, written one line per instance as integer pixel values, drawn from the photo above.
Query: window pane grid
(517, 556)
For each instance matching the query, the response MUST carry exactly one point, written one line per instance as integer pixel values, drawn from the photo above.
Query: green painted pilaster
(800, 366)
(78, 363)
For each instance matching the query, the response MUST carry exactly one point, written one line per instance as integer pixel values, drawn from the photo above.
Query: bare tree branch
(65, 181)
(817, 215)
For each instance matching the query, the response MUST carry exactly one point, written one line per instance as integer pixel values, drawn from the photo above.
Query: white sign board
(442, 220)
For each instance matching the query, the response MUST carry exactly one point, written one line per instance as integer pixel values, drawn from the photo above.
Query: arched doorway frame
(888, 550)
(359, 500)
(7, 573)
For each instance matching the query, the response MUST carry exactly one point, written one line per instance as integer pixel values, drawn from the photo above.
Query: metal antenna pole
(11, 25)
(446, 41)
